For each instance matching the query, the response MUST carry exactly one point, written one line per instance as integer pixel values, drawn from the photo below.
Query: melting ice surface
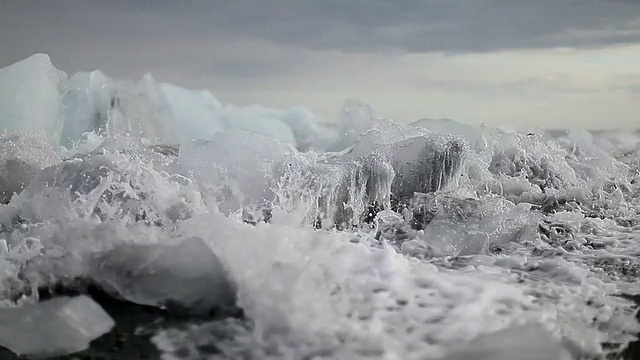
(369, 240)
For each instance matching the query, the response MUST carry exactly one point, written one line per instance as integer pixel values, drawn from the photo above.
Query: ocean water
(403, 242)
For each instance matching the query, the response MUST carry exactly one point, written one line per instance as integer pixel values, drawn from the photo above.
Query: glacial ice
(82, 186)
(448, 126)
(86, 105)
(184, 115)
(338, 188)
(55, 327)
(424, 164)
(259, 120)
(22, 157)
(29, 98)
(188, 275)
(304, 125)
(355, 119)
(238, 165)
(40, 99)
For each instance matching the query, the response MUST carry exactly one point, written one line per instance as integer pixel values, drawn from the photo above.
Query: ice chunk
(22, 157)
(448, 126)
(184, 115)
(424, 164)
(156, 112)
(238, 163)
(260, 120)
(86, 105)
(355, 118)
(188, 275)
(340, 187)
(421, 163)
(528, 342)
(303, 125)
(30, 99)
(111, 185)
(55, 327)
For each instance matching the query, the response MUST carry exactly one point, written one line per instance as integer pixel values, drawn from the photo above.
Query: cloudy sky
(523, 63)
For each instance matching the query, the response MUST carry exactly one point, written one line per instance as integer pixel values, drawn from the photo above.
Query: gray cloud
(320, 51)
(354, 25)
(415, 26)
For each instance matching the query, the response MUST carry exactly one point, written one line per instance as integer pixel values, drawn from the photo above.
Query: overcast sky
(524, 63)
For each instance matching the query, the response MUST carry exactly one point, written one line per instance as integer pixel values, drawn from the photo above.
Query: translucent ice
(355, 119)
(339, 187)
(260, 120)
(188, 275)
(303, 125)
(111, 183)
(448, 126)
(22, 157)
(183, 115)
(238, 164)
(528, 342)
(421, 163)
(424, 164)
(52, 328)
(86, 105)
(29, 97)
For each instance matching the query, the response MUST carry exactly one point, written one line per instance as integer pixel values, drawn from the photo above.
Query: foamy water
(524, 227)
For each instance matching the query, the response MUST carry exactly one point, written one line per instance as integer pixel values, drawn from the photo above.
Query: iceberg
(55, 327)
(157, 113)
(38, 98)
(188, 276)
(259, 120)
(86, 105)
(182, 114)
(303, 125)
(30, 98)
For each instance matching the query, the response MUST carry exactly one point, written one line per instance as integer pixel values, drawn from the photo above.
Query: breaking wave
(367, 240)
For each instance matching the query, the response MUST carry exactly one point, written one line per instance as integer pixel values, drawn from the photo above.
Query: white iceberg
(36, 97)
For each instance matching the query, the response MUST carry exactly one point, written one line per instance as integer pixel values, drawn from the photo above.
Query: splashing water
(404, 245)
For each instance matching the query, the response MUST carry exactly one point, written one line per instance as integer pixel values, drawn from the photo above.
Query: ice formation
(187, 275)
(30, 98)
(447, 126)
(39, 98)
(355, 118)
(361, 239)
(55, 327)
(22, 157)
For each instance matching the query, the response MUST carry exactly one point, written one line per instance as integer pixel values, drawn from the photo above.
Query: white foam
(526, 228)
